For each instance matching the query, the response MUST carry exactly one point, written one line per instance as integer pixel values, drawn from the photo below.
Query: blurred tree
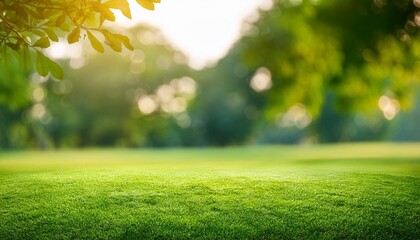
(105, 108)
(30, 25)
(227, 110)
(297, 62)
(334, 125)
(15, 97)
(359, 50)
(407, 126)
(14, 86)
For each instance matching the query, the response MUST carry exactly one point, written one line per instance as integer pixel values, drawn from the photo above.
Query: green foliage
(14, 89)
(89, 106)
(318, 55)
(356, 49)
(33, 24)
(228, 110)
(324, 192)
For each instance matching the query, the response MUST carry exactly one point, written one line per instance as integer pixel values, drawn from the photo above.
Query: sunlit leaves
(44, 65)
(105, 12)
(95, 42)
(125, 41)
(60, 20)
(55, 69)
(73, 36)
(122, 5)
(41, 64)
(112, 40)
(148, 4)
(51, 34)
(31, 25)
(38, 32)
(43, 42)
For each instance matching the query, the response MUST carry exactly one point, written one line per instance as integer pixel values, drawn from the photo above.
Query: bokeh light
(147, 105)
(389, 106)
(261, 81)
(38, 111)
(296, 116)
(185, 86)
(171, 98)
(175, 105)
(165, 93)
(38, 94)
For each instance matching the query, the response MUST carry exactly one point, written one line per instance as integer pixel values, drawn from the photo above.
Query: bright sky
(203, 29)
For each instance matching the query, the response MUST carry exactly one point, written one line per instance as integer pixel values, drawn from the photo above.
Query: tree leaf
(41, 64)
(122, 5)
(74, 35)
(105, 12)
(25, 58)
(37, 32)
(146, 4)
(101, 20)
(60, 20)
(55, 69)
(33, 13)
(14, 46)
(51, 34)
(95, 42)
(112, 40)
(65, 27)
(125, 40)
(92, 20)
(125, 8)
(43, 42)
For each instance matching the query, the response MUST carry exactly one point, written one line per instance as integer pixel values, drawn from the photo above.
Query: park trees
(359, 50)
(293, 63)
(101, 106)
(29, 26)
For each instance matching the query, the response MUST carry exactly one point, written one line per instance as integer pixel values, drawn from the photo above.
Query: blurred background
(219, 73)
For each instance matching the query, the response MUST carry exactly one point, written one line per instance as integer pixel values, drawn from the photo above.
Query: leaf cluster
(29, 26)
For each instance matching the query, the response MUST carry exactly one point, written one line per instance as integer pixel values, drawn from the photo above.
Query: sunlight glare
(203, 30)
(63, 50)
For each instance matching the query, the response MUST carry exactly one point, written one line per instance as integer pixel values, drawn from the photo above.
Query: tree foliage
(357, 49)
(29, 26)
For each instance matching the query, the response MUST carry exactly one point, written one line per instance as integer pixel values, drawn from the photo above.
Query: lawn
(364, 191)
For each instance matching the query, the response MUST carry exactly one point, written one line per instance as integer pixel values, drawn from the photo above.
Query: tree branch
(13, 29)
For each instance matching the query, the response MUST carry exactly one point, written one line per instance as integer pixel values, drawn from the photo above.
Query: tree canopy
(360, 50)
(29, 26)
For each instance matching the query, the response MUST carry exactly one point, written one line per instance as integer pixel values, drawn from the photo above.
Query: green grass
(367, 191)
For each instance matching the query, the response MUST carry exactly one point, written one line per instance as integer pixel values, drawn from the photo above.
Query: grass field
(362, 191)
